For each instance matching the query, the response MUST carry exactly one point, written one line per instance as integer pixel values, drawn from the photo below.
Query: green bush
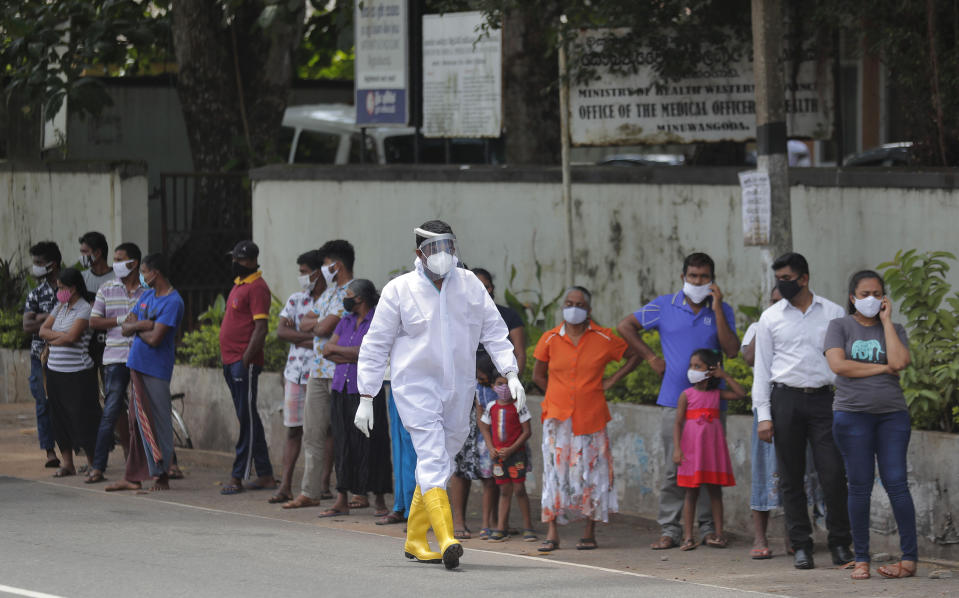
(201, 347)
(12, 335)
(931, 382)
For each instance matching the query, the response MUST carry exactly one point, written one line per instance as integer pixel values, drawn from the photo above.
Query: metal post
(564, 145)
(767, 26)
(837, 127)
(362, 145)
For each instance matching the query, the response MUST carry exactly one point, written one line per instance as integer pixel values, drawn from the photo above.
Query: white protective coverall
(430, 338)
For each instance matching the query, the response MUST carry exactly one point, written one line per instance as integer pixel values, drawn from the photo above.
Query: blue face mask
(143, 281)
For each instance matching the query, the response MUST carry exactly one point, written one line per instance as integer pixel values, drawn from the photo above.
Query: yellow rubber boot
(417, 524)
(441, 518)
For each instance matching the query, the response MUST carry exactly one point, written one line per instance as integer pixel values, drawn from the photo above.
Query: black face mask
(241, 271)
(788, 288)
(349, 303)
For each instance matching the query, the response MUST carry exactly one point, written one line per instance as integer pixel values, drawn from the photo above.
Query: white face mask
(696, 376)
(86, 260)
(328, 273)
(868, 306)
(441, 263)
(122, 269)
(696, 293)
(574, 315)
(39, 271)
(306, 282)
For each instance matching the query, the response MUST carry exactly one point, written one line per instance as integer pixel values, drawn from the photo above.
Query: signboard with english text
(382, 63)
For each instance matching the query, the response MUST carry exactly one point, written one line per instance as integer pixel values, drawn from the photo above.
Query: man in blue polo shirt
(686, 321)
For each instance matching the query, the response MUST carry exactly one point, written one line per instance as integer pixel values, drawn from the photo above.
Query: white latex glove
(364, 416)
(516, 389)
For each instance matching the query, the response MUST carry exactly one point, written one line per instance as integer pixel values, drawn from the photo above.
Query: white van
(328, 134)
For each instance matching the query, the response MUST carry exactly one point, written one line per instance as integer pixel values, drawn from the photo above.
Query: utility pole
(767, 24)
(564, 146)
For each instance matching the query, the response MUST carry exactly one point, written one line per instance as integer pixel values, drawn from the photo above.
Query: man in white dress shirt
(792, 394)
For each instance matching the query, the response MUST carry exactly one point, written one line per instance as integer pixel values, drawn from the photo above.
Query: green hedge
(12, 335)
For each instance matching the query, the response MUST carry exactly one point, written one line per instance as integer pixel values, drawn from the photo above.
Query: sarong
(151, 428)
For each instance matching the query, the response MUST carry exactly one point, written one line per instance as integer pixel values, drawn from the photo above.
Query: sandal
(484, 533)
(301, 501)
(462, 534)
(529, 535)
(759, 554)
(332, 513)
(359, 504)
(95, 477)
(587, 544)
(52, 463)
(899, 572)
(498, 535)
(860, 570)
(390, 519)
(279, 497)
(63, 472)
(231, 489)
(548, 546)
(715, 541)
(688, 544)
(664, 543)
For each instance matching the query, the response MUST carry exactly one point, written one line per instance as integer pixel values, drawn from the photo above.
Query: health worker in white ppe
(428, 325)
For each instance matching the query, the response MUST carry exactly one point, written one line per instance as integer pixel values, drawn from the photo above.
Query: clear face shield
(440, 253)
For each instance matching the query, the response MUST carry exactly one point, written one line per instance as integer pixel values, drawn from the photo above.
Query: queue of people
(825, 382)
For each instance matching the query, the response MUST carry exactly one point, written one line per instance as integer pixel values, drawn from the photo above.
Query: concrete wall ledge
(125, 168)
(896, 178)
(639, 457)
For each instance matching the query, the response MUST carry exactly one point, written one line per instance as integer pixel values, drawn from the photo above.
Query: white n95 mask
(696, 293)
(574, 315)
(696, 376)
(440, 263)
(39, 271)
(868, 306)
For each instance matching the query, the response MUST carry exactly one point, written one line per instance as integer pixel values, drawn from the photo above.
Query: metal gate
(203, 216)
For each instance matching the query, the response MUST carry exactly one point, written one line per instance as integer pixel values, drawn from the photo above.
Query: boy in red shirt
(506, 431)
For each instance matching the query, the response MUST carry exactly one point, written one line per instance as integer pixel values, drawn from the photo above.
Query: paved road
(65, 541)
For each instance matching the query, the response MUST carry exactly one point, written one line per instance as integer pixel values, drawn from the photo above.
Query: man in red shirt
(242, 335)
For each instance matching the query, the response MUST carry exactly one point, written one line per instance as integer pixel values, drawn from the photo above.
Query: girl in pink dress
(699, 442)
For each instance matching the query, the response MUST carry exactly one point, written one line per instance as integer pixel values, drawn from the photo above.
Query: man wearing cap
(428, 325)
(242, 335)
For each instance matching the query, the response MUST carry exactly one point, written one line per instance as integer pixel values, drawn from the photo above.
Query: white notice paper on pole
(462, 77)
(757, 209)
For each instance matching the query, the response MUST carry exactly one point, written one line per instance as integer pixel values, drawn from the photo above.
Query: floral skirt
(577, 474)
(473, 461)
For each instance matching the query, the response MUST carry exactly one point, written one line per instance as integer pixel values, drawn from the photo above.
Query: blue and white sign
(382, 62)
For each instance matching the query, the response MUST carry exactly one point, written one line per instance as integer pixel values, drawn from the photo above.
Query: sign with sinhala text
(716, 103)
(757, 207)
(462, 77)
(382, 62)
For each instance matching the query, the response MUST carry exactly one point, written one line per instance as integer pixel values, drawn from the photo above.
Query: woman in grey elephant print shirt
(870, 419)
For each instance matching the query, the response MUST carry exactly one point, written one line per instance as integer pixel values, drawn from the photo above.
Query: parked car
(888, 154)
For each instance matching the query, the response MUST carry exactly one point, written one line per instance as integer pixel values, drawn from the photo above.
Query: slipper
(689, 544)
(382, 513)
(231, 489)
(715, 541)
(899, 572)
(548, 546)
(301, 501)
(52, 463)
(95, 477)
(664, 543)
(279, 497)
(587, 544)
(484, 533)
(390, 519)
(332, 513)
(64, 473)
(462, 534)
(759, 554)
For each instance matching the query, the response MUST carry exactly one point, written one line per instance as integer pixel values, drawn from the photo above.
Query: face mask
(349, 303)
(64, 295)
(39, 271)
(441, 263)
(502, 391)
(306, 282)
(696, 376)
(328, 273)
(574, 315)
(143, 282)
(696, 293)
(868, 306)
(788, 288)
(86, 260)
(241, 271)
(122, 269)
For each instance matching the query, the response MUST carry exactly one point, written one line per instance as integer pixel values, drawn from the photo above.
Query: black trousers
(362, 464)
(799, 418)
